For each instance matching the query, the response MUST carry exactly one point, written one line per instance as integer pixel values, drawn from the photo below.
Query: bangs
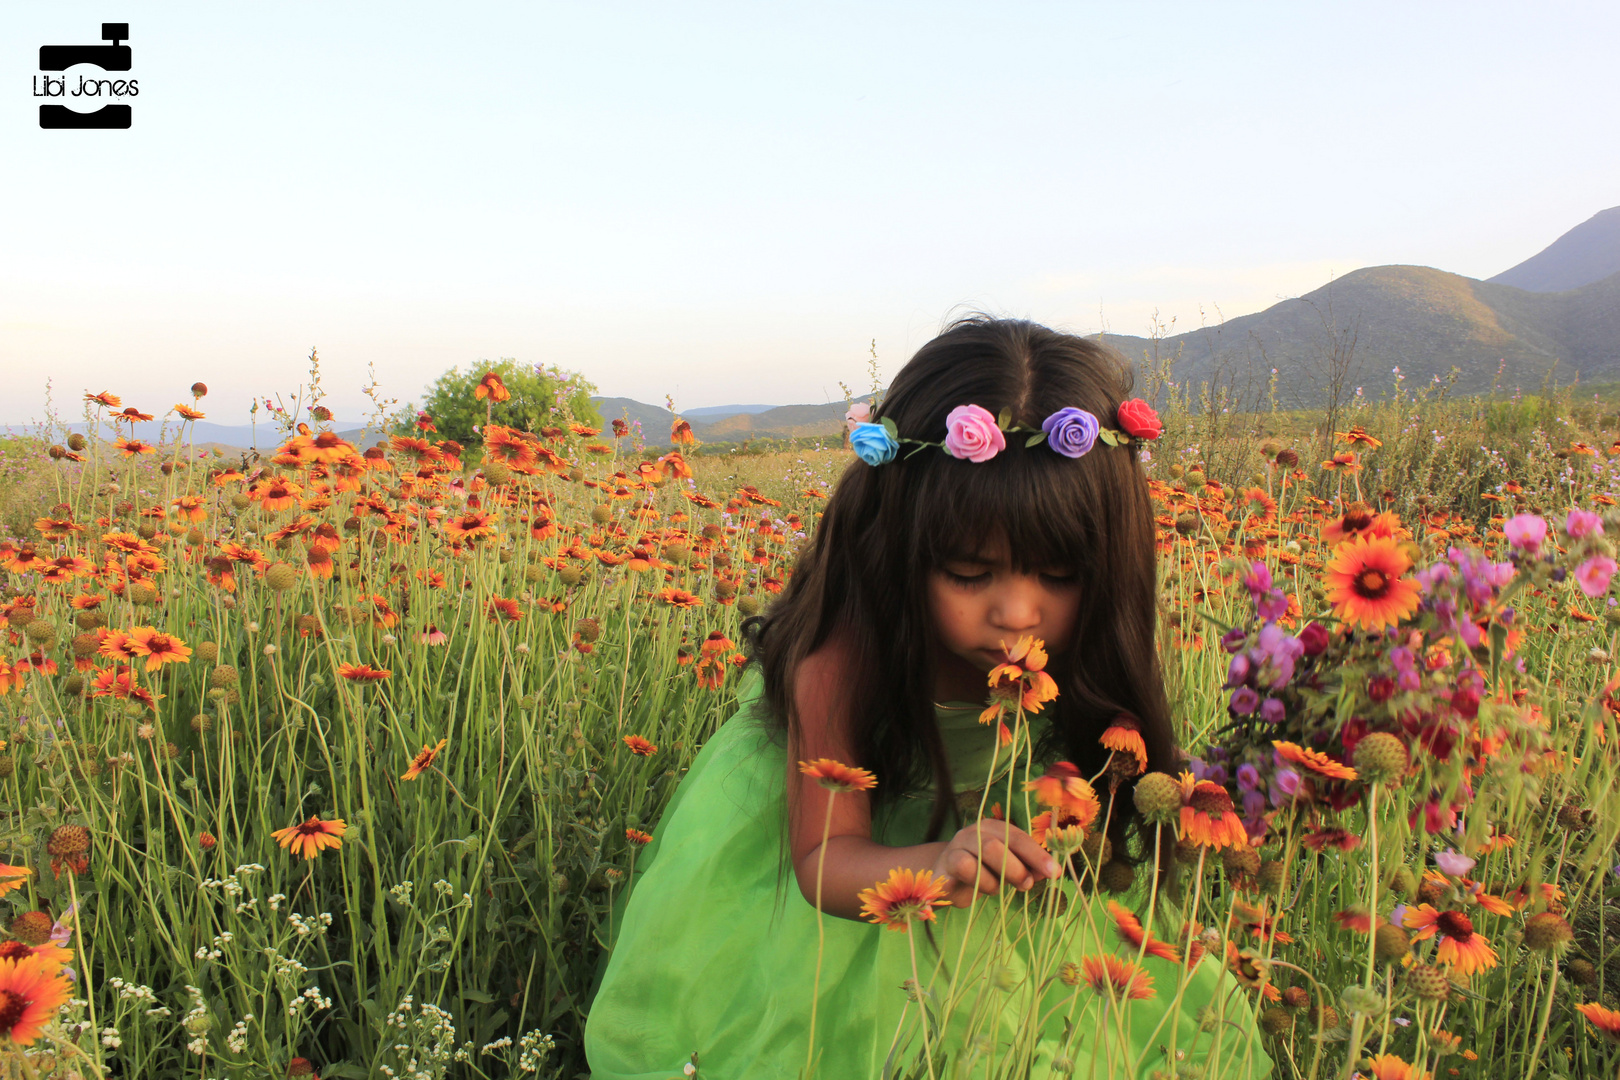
(1042, 504)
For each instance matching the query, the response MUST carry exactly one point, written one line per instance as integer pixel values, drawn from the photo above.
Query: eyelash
(976, 580)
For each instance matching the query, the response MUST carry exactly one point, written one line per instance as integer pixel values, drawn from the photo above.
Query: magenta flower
(1593, 575)
(1583, 523)
(971, 433)
(1525, 531)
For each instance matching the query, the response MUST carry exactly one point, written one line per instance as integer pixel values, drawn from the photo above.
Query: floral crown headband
(972, 434)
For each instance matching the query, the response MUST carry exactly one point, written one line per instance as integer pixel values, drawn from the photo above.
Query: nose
(1017, 607)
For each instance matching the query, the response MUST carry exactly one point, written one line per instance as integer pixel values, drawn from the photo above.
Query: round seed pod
(77, 442)
(1158, 798)
(223, 677)
(241, 501)
(496, 472)
(41, 633)
(1276, 1021)
(1402, 882)
(1391, 942)
(1581, 972)
(89, 620)
(1297, 998)
(281, 576)
(146, 530)
(142, 593)
(74, 686)
(207, 651)
(576, 474)
(570, 575)
(1287, 458)
(1546, 932)
(1116, 876)
(1429, 983)
(1380, 758)
(748, 605)
(195, 537)
(533, 573)
(724, 589)
(1270, 877)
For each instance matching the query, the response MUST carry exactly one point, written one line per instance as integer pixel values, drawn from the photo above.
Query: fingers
(1029, 856)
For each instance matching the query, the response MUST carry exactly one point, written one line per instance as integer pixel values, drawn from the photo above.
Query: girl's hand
(981, 856)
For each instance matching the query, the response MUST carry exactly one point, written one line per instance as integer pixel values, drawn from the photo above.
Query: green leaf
(1035, 440)
(1109, 437)
(890, 426)
(1004, 421)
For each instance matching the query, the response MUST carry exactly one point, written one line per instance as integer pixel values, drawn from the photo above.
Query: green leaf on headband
(1109, 436)
(1035, 440)
(1004, 421)
(891, 428)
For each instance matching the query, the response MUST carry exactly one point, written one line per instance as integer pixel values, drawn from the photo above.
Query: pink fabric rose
(858, 413)
(971, 433)
(1593, 575)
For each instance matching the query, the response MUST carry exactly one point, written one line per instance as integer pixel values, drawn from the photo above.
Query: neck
(957, 680)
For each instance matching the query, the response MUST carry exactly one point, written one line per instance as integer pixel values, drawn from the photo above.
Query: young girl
(929, 562)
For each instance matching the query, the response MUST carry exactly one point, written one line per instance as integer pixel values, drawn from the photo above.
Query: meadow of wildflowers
(332, 762)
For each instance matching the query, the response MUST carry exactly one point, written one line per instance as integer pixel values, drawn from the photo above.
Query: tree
(541, 397)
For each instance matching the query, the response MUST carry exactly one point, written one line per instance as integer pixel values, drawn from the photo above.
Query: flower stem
(821, 938)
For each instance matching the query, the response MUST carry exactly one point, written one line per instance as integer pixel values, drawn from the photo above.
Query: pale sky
(728, 202)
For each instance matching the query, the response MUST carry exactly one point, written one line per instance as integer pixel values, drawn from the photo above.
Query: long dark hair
(864, 574)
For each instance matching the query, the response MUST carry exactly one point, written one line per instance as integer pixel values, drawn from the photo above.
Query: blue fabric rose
(873, 444)
(1072, 432)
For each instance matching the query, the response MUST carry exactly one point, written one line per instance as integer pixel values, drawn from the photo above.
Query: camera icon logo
(114, 57)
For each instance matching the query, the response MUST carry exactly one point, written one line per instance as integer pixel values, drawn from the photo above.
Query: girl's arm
(977, 859)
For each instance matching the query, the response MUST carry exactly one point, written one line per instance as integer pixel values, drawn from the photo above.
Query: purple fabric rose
(971, 433)
(1071, 432)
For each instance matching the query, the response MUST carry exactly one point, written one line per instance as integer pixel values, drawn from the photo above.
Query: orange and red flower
(1068, 793)
(1460, 947)
(906, 895)
(1112, 976)
(1124, 737)
(640, 746)
(157, 647)
(1314, 760)
(1130, 930)
(32, 990)
(836, 776)
(311, 837)
(1606, 1020)
(363, 673)
(1365, 583)
(1208, 817)
(423, 759)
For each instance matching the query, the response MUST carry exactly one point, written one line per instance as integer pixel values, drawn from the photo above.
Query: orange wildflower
(12, 877)
(1460, 946)
(1365, 585)
(52, 952)
(836, 776)
(363, 673)
(32, 990)
(158, 648)
(1390, 1067)
(276, 495)
(1357, 435)
(1123, 737)
(1607, 1021)
(501, 608)
(133, 447)
(639, 746)
(423, 759)
(311, 837)
(106, 398)
(637, 837)
(1063, 789)
(679, 598)
(1130, 930)
(186, 412)
(1208, 817)
(469, 526)
(1020, 679)
(1314, 760)
(1112, 976)
(906, 895)
(490, 386)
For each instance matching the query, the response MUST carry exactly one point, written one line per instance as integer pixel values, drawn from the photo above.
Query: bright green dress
(714, 955)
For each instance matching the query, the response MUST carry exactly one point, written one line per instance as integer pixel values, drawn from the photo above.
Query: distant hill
(1425, 321)
(723, 410)
(1589, 252)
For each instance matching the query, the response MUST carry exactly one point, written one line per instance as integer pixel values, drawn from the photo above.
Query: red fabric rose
(1138, 420)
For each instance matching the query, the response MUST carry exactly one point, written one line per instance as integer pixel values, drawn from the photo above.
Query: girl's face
(979, 602)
